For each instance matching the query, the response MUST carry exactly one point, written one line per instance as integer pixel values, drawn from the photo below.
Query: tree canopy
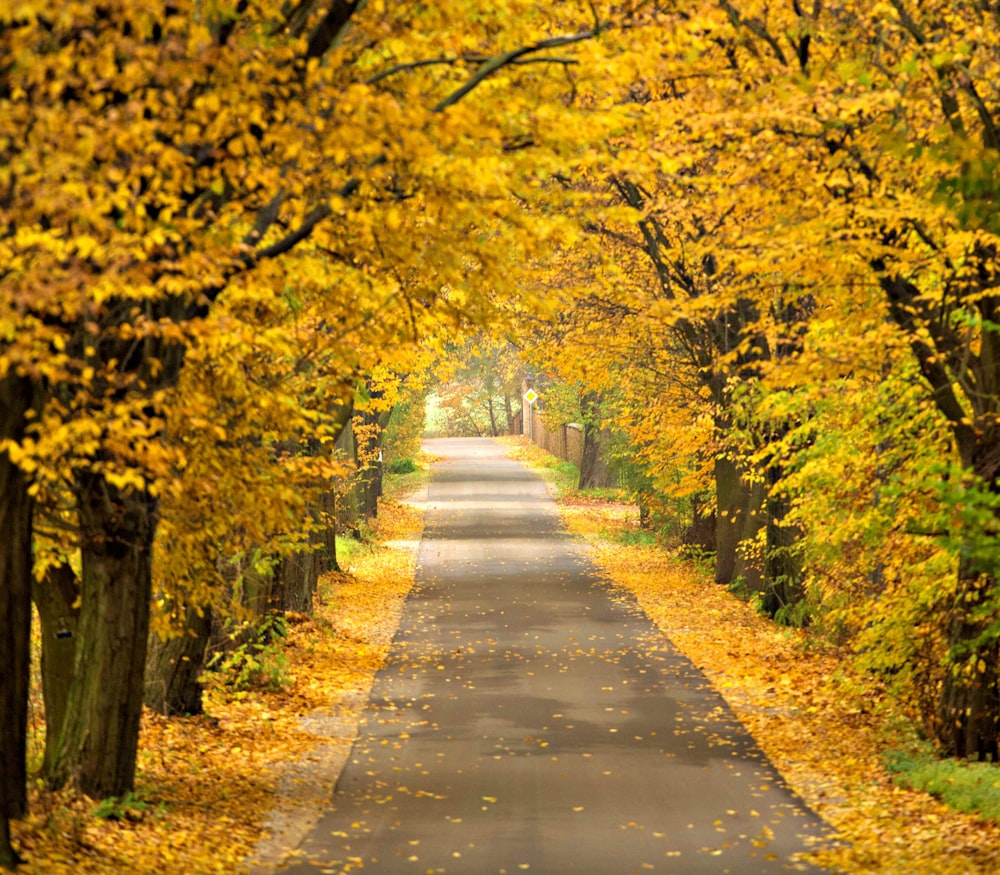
(759, 242)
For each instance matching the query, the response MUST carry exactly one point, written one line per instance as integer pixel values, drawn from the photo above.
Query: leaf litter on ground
(828, 743)
(255, 763)
(209, 785)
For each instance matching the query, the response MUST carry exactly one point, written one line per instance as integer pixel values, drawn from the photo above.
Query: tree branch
(902, 299)
(498, 62)
(316, 215)
(411, 65)
(757, 28)
(332, 25)
(465, 59)
(991, 136)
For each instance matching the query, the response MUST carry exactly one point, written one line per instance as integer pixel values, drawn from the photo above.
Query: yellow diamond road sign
(531, 396)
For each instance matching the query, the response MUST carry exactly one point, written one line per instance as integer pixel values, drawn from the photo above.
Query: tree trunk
(297, 577)
(260, 585)
(969, 707)
(371, 471)
(328, 537)
(593, 470)
(727, 519)
(371, 490)
(56, 601)
(491, 407)
(740, 516)
(9, 858)
(508, 409)
(593, 474)
(749, 566)
(172, 683)
(701, 531)
(16, 506)
(782, 568)
(97, 750)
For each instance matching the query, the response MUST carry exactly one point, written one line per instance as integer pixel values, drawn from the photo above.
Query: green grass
(401, 466)
(346, 548)
(565, 475)
(960, 784)
(406, 476)
(631, 537)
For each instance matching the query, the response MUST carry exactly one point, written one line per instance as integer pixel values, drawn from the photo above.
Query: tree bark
(589, 457)
(701, 531)
(297, 578)
(968, 713)
(749, 566)
(327, 537)
(491, 407)
(9, 858)
(593, 470)
(508, 409)
(727, 520)
(371, 473)
(969, 707)
(56, 600)
(172, 683)
(17, 396)
(97, 750)
(740, 516)
(782, 567)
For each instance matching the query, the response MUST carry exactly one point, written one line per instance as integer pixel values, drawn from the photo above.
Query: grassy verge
(560, 476)
(206, 785)
(961, 785)
(829, 742)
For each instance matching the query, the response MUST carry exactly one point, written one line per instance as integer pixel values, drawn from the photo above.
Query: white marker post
(530, 397)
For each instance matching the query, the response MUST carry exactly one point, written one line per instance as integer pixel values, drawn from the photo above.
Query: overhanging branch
(407, 66)
(498, 62)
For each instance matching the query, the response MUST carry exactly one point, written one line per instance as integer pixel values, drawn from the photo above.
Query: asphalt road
(530, 720)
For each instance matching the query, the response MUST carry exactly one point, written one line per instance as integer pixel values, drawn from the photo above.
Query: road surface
(530, 720)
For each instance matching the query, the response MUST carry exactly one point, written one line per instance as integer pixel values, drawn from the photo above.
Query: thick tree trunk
(593, 470)
(328, 537)
(56, 601)
(97, 750)
(593, 473)
(740, 516)
(16, 398)
(751, 551)
(172, 683)
(969, 707)
(297, 577)
(372, 469)
(9, 858)
(728, 519)
(701, 531)
(782, 567)
(371, 490)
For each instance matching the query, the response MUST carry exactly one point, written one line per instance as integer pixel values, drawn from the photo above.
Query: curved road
(529, 720)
